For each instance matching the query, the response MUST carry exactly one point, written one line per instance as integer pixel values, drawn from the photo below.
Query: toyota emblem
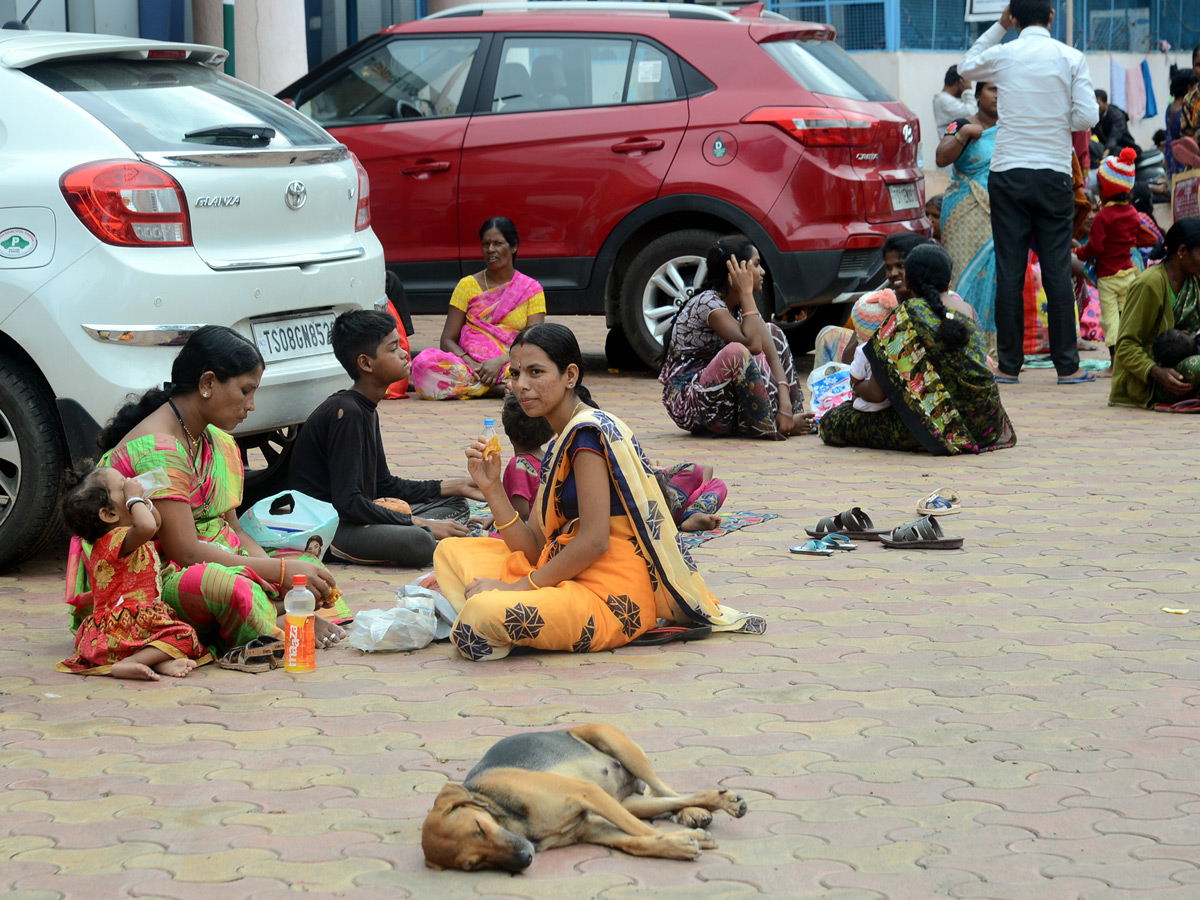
(908, 137)
(297, 194)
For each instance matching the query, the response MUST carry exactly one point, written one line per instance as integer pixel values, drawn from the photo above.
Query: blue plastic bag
(289, 520)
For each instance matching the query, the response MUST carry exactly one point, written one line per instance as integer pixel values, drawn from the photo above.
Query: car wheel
(31, 463)
(802, 336)
(267, 459)
(662, 278)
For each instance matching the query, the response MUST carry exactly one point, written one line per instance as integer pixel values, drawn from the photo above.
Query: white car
(143, 193)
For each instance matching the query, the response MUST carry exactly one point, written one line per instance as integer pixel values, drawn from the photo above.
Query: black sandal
(853, 523)
(923, 534)
(259, 655)
(665, 634)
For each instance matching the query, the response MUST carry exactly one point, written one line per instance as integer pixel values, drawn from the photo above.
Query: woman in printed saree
(1162, 298)
(726, 371)
(599, 561)
(929, 362)
(487, 310)
(966, 210)
(214, 576)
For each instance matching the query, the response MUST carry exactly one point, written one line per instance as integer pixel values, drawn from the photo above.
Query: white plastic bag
(289, 520)
(829, 386)
(409, 625)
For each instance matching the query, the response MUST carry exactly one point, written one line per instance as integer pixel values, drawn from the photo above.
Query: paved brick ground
(1014, 720)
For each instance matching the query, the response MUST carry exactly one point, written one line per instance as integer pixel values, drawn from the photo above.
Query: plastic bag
(153, 481)
(409, 625)
(288, 520)
(829, 386)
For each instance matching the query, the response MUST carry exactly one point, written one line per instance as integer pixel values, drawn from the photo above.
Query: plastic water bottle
(491, 439)
(299, 627)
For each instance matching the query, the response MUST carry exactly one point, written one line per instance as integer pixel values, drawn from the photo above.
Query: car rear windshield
(152, 106)
(823, 67)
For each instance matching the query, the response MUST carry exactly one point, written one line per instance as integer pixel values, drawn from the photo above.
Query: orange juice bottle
(491, 439)
(299, 624)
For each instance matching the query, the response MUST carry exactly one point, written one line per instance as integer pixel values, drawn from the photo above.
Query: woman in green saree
(1163, 297)
(929, 362)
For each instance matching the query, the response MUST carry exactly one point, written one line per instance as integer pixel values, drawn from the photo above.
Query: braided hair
(927, 270)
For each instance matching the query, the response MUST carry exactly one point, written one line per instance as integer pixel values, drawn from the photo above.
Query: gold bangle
(512, 521)
(752, 312)
(282, 571)
(532, 583)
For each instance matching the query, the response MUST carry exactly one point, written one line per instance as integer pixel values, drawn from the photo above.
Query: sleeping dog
(554, 788)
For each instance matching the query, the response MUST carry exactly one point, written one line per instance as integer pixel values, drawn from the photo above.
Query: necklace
(488, 287)
(575, 410)
(193, 443)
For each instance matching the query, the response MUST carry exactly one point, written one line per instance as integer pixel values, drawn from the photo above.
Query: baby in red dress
(131, 632)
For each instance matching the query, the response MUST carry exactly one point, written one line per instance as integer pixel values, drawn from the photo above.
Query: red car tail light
(819, 126)
(362, 215)
(128, 204)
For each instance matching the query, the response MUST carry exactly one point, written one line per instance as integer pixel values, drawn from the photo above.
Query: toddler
(1178, 350)
(869, 312)
(131, 632)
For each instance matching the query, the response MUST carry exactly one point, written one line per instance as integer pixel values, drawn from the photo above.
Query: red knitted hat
(1117, 173)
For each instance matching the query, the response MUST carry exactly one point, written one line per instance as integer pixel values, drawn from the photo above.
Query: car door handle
(426, 168)
(637, 145)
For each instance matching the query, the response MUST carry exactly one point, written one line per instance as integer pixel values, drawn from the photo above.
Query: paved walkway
(1014, 720)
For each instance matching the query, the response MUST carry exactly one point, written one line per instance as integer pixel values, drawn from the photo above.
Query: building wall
(915, 77)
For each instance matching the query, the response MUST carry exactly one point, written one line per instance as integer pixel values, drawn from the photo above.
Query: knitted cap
(870, 311)
(1117, 173)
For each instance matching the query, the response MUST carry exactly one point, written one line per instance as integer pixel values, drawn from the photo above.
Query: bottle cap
(489, 423)
(299, 580)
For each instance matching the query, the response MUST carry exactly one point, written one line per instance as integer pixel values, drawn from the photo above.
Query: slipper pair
(825, 546)
(259, 655)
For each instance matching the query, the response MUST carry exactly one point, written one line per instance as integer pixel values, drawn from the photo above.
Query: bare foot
(700, 522)
(327, 633)
(177, 667)
(1087, 345)
(127, 668)
(1105, 373)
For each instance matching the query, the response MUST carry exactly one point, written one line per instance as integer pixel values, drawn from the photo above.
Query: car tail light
(820, 126)
(166, 54)
(129, 204)
(362, 215)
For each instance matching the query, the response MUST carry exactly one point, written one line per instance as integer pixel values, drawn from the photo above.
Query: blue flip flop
(813, 548)
(1007, 379)
(838, 542)
(1079, 379)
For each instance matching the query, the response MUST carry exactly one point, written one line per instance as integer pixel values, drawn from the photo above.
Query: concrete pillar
(270, 43)
(208, 24)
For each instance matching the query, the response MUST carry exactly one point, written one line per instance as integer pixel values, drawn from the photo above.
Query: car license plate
(294, 336)
(904, 196)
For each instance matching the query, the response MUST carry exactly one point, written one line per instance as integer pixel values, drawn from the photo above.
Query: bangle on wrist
(750, 312)
(533, 584)
(132, 500)
(958, 137)
(512, 521)
(282, 571)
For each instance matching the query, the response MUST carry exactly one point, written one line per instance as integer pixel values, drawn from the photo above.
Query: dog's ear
(451, 796)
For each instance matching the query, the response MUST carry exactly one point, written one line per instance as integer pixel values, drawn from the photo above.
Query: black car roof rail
(673, 10)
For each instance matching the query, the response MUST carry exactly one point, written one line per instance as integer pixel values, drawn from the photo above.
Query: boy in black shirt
(339, 458)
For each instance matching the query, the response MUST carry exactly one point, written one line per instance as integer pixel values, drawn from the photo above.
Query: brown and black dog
(554, 788)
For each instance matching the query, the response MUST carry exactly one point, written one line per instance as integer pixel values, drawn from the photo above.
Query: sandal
(835, 541)
(923, 534)
(1191, 405)
(814, 547)
(940, 503)
(853, 523)
(259, 655)
(665, 634)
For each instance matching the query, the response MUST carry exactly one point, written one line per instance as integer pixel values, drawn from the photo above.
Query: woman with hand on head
(487, 310)
(726, 371)
(215, 577)
(599, 560)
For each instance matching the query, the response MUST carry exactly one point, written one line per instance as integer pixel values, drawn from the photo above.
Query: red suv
(623, 139)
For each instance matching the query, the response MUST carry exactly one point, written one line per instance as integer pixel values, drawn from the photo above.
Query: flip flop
(923, 534)
(940, 503)
(837, 541)
(665, 634)
(259, 655)
(1007, 379)
(1079, 379)
(813, 548)
(853, 523)
(1191, 405)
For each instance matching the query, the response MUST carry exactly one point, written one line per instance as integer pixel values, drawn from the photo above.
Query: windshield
(823, 67)
(153, 105)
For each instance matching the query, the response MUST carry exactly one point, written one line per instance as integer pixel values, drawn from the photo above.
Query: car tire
(664, 275)
(32, 460)
(273, 475)
(802, 336)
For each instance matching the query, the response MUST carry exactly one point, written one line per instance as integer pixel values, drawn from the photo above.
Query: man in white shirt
(953, 101)
(1045, 94)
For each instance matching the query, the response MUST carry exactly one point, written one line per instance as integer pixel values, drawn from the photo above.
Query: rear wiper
(232, 134)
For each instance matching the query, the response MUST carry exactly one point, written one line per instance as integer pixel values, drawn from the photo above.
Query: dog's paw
(682, 844)
(694, 817)
(732, 803)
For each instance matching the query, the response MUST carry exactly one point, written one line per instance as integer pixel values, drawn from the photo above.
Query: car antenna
(23, 24)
